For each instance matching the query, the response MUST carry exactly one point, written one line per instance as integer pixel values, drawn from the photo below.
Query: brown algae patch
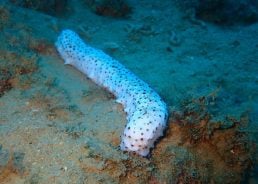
(109, 163)
(11, 166)
(16, 71)
(42, 46)
(5, 83)
(210, 151)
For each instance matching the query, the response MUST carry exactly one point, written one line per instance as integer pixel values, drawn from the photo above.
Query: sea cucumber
(146, 111)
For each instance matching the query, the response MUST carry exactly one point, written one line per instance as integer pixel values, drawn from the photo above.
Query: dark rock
(51, 7)
(113, 8)
(221, 12)
(5, 85)
(228, 12)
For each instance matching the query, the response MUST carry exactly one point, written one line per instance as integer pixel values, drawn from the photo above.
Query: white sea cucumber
(146, 112)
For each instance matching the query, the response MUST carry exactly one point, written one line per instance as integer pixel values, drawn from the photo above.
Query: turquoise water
(200, 56)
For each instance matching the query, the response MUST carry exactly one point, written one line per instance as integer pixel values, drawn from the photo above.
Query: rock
(221, 12)
(51, 7)
(113, 8)
(228, 12)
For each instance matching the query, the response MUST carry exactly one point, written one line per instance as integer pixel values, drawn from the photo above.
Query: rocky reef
(113, 8)
(223, 12)
(51, 7)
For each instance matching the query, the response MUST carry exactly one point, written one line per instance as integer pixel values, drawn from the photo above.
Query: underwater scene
(128, 91)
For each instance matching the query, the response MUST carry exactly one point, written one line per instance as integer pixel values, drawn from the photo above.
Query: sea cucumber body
(146, 112)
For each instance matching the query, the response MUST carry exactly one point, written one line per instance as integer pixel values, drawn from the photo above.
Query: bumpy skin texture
(146, 112)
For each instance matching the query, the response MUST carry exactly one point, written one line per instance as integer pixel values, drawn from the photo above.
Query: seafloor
(57, 126)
